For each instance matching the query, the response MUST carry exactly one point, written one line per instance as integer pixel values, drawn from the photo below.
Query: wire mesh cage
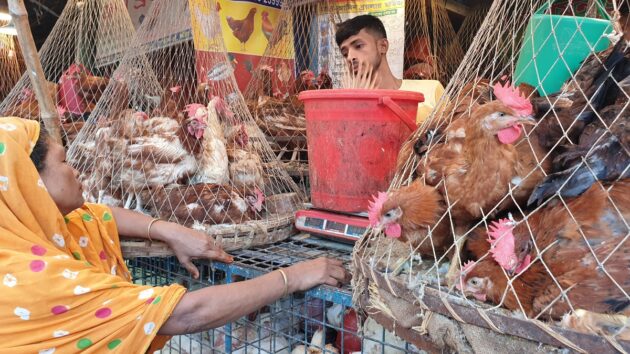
(79, 55)
(318, 321)
(171, 137)
(508, 217)
(10, 62)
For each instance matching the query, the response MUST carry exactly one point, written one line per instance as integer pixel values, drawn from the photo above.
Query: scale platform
(341, 227)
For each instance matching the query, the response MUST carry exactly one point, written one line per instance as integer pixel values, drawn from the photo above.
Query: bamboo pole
(47, 107)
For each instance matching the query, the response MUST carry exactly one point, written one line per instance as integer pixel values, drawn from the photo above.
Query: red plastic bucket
(353, 141)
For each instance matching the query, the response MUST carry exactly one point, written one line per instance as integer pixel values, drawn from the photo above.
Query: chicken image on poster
(246, 29)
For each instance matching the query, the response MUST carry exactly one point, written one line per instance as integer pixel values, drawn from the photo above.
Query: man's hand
(188, 244)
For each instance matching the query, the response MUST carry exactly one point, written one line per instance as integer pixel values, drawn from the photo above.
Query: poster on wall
(391, 12)
(246, 29)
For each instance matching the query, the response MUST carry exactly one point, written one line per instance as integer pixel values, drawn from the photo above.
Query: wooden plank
(509, 325)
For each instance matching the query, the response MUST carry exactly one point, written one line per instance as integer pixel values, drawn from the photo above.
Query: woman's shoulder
(91, 212)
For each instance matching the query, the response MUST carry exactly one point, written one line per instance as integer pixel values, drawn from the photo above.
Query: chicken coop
(171, 137)
(506, 226)
(78, 56)
(318, 321)
(301, 55)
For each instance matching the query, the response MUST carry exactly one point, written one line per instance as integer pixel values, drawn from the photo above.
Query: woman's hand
(309, 274)
(189, 244)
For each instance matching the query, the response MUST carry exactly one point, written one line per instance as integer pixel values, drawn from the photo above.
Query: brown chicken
(242, 29)
(486, 151)
(599, 226)
(456, 112)
(170, 104)
(410, 214)
(207, 204)
(305, 81)
(484, 158)
(324, 81)
(155, 152)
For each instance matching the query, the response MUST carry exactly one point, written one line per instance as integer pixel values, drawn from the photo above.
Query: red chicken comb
(61, 110)
(511, 97)
(468, 266)
(142, 115)
(192, 108)
(260, 199)
(375, 207)
(502, 241)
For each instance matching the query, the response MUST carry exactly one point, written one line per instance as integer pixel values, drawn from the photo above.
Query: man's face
(363, 48)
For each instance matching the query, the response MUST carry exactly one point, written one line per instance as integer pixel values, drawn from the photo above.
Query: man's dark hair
(354, 25)
(40, 150)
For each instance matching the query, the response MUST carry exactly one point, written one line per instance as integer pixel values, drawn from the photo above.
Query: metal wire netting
(301, 323)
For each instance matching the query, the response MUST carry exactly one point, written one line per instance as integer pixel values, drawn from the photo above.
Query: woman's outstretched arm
(217, 305)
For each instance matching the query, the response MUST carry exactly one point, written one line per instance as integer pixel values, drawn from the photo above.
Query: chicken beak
(527, 120)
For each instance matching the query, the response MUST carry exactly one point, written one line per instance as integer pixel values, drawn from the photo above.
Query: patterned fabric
(65, 287)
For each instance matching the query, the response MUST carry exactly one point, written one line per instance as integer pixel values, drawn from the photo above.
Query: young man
(363, 41)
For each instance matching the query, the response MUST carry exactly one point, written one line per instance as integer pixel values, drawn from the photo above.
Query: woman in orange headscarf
(65, 287)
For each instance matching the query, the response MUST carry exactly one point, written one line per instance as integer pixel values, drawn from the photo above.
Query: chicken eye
(501, 114)
(388, 214)
(474, 282)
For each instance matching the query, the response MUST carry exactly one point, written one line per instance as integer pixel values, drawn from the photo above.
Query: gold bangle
(149, 228)
(286, 282)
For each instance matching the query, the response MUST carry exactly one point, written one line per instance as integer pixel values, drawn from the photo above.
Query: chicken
(324, 81)
(170, 104)
(411, 215)
(486, 150)
(471, 96)
(27, 106)
(245, 165)
(207, 204)
(242, 29)
(617, 326)
(264, 336)
(378, 340)
(213, 164)
(317, 346)
(165, 154)
(569, 240)
(267, 26)
(603, 151)
(92, 87)
(246, 170)
(304, 82)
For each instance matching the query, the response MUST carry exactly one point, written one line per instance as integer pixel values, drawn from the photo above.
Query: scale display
(337, 226)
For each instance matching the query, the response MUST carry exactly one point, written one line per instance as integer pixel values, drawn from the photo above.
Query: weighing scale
(332, 224)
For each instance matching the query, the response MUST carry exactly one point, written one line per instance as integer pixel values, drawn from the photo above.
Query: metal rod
(47, 108)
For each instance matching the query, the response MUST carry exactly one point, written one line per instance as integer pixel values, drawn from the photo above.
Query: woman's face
(61, 180)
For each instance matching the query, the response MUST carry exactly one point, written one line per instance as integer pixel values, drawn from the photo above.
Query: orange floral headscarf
(65, 287)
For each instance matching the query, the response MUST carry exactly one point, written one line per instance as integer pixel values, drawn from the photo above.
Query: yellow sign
(246, 26)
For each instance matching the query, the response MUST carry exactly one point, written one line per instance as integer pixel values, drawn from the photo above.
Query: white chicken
(317, 345)
(213, 164)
